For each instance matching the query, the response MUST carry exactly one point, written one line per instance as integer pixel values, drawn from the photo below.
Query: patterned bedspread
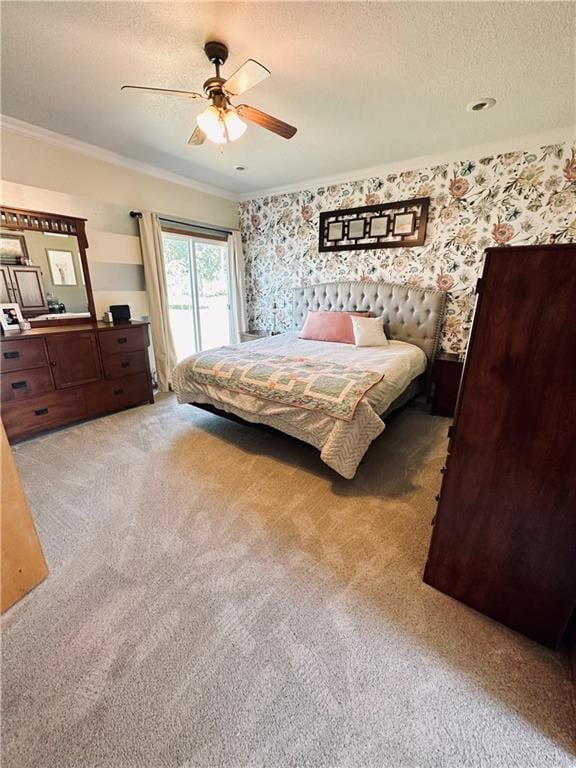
(342, 443)
(330, 388)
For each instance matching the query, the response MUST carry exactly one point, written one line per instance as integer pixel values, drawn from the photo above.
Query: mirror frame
(39, 221)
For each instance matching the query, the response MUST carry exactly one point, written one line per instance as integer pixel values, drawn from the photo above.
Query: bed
(377, 380)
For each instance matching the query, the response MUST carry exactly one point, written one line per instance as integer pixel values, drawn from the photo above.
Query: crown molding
(22, 128)
(520, 143)
(98, 153)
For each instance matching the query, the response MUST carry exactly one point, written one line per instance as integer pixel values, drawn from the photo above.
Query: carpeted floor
(218, 597)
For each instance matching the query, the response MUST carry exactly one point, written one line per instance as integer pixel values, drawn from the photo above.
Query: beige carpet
(218, 597)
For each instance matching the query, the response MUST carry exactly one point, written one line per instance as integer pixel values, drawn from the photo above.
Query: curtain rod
(207, 227)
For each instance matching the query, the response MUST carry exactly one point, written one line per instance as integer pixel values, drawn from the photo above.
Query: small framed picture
(379, 226)
(13, 249)
(404, 223)
(62, 267)
(356, 229)
(10, 317)
(335, 230)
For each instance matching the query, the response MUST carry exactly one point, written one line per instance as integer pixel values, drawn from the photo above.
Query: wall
(514, 198)
(40, 176)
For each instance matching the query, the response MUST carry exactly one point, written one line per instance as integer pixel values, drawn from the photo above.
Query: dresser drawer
(123, 340)
(108, 396)
(125, 364)
(26, 417)
(23, 353)
(17, 385)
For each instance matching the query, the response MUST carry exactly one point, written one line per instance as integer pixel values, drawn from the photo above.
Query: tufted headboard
(410, 314)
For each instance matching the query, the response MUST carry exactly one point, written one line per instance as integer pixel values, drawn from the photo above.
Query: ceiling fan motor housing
(213, 86)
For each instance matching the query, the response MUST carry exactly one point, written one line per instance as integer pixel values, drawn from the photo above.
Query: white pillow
(369, 331)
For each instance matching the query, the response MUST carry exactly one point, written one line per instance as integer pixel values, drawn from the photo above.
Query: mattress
(341, 444)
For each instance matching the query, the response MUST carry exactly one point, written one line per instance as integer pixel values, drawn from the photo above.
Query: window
(197, 278)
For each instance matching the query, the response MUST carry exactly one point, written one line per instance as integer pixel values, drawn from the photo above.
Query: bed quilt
(330, 388)
(342, 443)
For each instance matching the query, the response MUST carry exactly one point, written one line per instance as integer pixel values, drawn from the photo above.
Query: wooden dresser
(504, 541)
(54, 376)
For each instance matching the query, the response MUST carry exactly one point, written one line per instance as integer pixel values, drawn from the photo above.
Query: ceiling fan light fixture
(212, 124)
(234, 126)
(221, 125)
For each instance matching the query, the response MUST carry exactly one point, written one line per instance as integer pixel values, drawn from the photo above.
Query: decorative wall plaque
(388, 225)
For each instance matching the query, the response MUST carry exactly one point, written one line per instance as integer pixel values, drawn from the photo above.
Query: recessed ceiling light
(480, 105)
(239, 167)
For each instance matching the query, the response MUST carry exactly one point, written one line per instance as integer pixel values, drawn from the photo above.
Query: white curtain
(156, 288)
(236, 292)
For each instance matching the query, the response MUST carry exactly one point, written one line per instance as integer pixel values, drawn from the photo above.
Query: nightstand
(252, 335)
(446, 375)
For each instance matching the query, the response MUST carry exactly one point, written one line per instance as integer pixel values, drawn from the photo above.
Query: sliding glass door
(197, 277)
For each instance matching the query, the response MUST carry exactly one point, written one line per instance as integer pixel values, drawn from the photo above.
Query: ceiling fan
(221, 121)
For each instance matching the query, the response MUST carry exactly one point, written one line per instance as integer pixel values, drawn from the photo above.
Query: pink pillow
(330, 326)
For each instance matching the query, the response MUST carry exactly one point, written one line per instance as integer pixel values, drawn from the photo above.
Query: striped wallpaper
(39, 176)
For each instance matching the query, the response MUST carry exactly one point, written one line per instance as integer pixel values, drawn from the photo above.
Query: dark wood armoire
(504, 541)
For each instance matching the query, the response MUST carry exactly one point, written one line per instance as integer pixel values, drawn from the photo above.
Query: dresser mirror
(44, 268)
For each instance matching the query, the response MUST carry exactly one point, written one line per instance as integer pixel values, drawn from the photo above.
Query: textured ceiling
(365, 83)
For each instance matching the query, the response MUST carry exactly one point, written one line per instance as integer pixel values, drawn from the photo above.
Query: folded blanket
(313, 385)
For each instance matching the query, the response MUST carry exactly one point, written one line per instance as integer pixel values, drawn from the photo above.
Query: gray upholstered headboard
(410, 314)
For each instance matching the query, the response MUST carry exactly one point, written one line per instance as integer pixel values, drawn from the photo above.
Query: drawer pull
(122, 340)
(125, 364)
(118, 391)
(11, 355)
(19, 384)
(41, 411)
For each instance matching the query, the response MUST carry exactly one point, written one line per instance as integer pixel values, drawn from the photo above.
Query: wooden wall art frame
(387, 225)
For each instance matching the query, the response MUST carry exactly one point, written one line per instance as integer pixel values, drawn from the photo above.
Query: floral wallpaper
(516, 198)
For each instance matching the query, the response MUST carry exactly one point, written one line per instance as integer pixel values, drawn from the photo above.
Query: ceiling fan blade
(198, 137)
(165, 92)
(247, 76)
(266, 121)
